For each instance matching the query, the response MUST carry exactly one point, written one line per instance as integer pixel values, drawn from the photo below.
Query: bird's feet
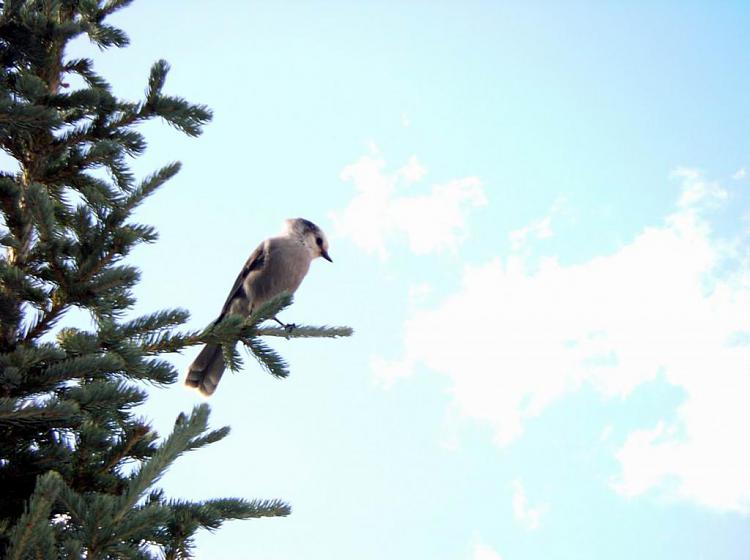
(288, 327)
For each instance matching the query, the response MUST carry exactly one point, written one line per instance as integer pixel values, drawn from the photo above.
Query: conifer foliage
(77, 465)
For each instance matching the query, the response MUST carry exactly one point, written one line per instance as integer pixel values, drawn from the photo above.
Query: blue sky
(539, 218)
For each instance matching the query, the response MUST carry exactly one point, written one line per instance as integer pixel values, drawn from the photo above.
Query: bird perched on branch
(277, 266)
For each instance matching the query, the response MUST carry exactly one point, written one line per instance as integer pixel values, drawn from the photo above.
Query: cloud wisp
(529, 517)
(385, 208)
(538, 229)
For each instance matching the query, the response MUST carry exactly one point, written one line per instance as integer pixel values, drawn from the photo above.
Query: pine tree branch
(124, 451)
(13, 414)
(173, 342)
(188, 434)
(46, 321)
(32, 536)
(270, 309)
(306, 331)
(210, 514)
(187, 517)
(112, 6)
(158, 321)
(231, 356)
(271, 361)
(169, 342)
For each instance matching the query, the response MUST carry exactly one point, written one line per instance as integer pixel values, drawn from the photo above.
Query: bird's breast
(285, 267)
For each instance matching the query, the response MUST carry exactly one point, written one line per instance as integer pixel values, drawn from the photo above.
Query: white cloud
(660, 305)
(740, 174)
(484, 552)
(529, 517)
(379, 214)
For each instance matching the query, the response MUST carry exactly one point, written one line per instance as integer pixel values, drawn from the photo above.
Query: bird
(277, 266)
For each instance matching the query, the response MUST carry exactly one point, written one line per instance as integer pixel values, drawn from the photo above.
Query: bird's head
(310, 235)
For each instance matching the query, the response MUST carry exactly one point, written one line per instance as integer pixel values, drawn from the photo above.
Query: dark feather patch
(255, 262)
(308, 226)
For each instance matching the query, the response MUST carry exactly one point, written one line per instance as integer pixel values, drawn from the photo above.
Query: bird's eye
(319, 241)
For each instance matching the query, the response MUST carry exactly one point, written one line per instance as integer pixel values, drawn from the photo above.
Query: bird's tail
(206, 370)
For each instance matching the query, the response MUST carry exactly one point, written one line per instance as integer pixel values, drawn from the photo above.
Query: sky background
(539, 219)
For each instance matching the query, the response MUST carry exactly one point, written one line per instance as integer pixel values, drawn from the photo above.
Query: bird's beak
(324, 254)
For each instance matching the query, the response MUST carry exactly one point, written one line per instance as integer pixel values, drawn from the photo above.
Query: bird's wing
(256, 261)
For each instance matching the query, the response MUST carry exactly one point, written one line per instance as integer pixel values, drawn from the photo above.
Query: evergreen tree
(78, 468)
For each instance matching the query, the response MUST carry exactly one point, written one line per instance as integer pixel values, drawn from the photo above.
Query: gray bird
(277, 266)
